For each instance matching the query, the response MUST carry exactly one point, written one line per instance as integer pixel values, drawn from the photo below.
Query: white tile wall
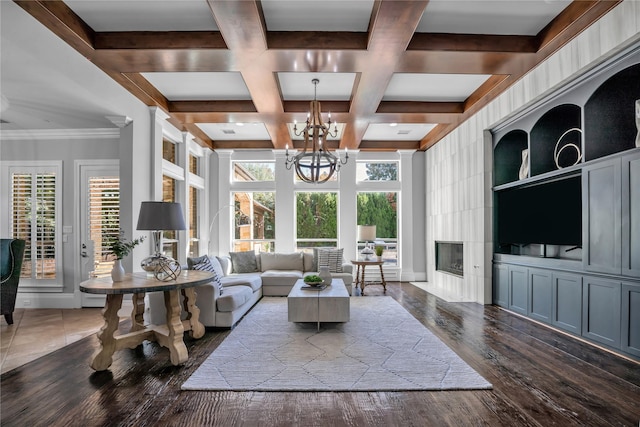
(459, 168)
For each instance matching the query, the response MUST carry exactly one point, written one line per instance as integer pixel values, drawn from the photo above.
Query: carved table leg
(193, 313)
(362, 284)
(174, 341)
(102, 359)
(384, 284)
(137, 314)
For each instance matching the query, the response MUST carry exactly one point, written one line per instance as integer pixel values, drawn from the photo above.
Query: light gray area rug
(382, 348)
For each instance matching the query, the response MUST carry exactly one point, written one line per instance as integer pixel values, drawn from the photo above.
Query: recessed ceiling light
(393, 124)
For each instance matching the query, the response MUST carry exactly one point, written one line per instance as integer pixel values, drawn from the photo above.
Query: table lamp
(366, 233)
(157, 217)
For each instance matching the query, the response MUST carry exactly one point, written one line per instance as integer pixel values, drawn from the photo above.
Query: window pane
(194, 237)
(378, 171)
(104, 221)
(169, 241)
(316, 219)
(250, 171)
(381, 210)
(254, 221)
(168, 151)
(194, 162)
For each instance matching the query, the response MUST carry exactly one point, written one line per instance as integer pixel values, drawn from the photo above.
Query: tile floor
(36, 332)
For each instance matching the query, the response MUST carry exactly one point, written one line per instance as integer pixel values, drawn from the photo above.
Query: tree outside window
(316, 220)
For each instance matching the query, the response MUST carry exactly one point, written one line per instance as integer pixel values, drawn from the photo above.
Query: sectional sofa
(274, 275)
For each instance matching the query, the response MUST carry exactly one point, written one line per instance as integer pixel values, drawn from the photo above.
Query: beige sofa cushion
(277, 261)
(233, 298)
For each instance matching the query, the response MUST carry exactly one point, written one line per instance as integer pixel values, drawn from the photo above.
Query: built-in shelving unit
(567, 208)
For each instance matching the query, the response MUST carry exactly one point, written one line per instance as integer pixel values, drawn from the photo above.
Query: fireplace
(449, 258)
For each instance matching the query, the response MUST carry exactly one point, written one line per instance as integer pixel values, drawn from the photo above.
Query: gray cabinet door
(518, 285)
(630, 319)
(631, 214)
(601, 302)
(540, 295)
(601, 216)
(566, 302)
(501, 285)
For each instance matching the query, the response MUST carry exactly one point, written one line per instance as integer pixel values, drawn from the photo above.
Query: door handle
(83, 254)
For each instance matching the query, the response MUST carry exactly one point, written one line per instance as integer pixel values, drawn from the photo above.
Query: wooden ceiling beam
(472, 43)
(242, 26)
(160, 40)
(415, 107)
(319, 40)
(212, 107)
(391, 28)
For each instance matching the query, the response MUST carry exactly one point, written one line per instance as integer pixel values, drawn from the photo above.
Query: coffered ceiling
(394, 74)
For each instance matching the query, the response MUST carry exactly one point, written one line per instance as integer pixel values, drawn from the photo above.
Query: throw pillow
(273, 261)
(204, 263)
(244, 262)
(331, 258)
(314, 266)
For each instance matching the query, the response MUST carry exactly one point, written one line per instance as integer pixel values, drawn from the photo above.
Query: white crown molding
(51, 134)
(120, 121)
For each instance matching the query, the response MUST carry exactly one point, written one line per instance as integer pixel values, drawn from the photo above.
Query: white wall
(459, 168)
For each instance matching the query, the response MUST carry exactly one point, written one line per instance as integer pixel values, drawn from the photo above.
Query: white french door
(99, 223)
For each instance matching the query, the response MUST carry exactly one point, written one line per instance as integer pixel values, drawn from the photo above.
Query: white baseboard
(45, 300)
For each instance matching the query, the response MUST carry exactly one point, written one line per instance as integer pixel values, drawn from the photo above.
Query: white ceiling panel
(216, 86)
(235, 131)
(313, 15)
(399, 132)
(433, 87)
(332, 86)
(145, 15)
(505, 17)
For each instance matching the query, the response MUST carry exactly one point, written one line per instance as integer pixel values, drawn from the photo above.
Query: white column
(222, 221)
(347, 217)
(285, 205)
(407, 239)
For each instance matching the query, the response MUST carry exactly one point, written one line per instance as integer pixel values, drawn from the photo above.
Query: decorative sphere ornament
(167, 270)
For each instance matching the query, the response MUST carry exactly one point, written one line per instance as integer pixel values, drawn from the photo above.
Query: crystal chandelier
(315, 164)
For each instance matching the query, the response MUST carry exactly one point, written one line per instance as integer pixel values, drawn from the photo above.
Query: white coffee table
(328, 305)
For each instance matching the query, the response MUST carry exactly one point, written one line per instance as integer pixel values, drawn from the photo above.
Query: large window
(381, 210)
(35, 218)
(316, 220)
(254, 221)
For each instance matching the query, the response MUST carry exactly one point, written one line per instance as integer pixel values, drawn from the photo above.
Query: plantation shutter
(104, 220)
(34, 219)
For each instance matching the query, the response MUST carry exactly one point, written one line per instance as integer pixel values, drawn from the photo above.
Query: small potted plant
(379, 249)
(120, 248)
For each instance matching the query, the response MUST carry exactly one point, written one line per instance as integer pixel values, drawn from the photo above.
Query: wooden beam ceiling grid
(243, 45)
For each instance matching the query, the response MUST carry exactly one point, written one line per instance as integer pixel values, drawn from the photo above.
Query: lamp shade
(366, 232)
(160, 216)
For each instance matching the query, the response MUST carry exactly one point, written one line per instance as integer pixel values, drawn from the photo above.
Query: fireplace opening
(449, 258)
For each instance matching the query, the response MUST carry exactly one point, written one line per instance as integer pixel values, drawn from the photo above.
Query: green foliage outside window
(317, 215)
(381, 210)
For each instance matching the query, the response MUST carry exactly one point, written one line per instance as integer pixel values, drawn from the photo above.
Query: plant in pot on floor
(120, 248)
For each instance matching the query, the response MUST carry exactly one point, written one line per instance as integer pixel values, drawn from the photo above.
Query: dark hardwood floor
(540, 378)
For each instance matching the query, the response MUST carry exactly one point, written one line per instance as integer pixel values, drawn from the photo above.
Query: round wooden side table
(360, 269)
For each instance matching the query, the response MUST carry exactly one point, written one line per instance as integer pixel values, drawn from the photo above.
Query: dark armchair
(11, 253)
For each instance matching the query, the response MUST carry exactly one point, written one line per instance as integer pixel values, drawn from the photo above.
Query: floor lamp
(158, 217)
